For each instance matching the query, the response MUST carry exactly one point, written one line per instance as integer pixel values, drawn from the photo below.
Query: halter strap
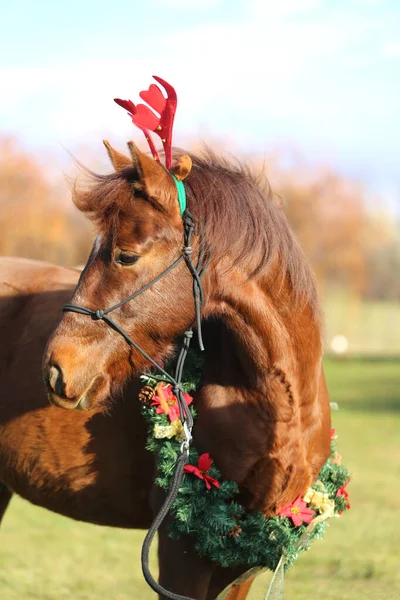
(180, 188)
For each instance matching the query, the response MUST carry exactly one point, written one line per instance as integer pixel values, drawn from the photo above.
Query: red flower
(343, 492)
(298, 512)
(167, 403)
(203, 466)
(333, 433)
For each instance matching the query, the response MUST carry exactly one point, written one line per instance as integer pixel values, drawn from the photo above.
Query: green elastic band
(181, 193)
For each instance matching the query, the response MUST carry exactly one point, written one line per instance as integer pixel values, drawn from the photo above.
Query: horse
(263, 407)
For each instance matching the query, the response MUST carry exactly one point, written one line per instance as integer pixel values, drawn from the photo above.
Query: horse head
(139, 234)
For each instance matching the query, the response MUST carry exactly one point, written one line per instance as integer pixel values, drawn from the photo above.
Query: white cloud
(281, 7)
(194, 5)
(370, 2)
(392, 49)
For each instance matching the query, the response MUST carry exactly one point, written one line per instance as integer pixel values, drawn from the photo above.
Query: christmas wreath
(206, 507)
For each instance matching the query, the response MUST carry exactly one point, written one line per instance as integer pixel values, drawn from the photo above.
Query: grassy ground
(47, 557)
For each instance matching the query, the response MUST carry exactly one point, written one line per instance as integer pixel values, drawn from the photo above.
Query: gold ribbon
(244, 578)
(275, 588)
(160, 395)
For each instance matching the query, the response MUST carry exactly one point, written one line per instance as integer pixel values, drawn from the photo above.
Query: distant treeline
(349, 245)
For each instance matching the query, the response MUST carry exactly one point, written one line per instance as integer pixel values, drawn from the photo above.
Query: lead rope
(184, 411)
(187, 421)
(163, 512)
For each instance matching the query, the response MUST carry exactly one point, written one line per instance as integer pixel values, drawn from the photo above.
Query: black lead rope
(163, 512)
(185, 414)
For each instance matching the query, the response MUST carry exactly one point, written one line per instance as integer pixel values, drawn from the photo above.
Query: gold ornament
(169, 431)
(319, 499)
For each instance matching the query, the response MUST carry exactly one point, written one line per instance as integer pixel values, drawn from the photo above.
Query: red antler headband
(146, 120)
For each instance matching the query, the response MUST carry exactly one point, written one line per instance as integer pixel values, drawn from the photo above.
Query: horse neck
(271, 328)
(261, 414)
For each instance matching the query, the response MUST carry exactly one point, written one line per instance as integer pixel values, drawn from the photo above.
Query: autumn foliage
(37, 219)
(348, 245)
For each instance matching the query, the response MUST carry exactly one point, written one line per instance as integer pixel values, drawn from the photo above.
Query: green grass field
(45, 556)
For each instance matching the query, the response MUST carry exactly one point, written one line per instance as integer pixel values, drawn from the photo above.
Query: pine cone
(146, 394)
(235, 532)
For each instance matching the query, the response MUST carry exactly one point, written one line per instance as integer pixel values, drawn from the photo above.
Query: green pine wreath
(206, 508)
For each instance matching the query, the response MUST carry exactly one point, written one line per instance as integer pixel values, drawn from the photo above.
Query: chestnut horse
(263, 408)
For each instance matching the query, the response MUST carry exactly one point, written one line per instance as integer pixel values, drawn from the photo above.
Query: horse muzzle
(97, 391)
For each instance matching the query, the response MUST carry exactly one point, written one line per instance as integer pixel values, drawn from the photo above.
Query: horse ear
(182, 167)
(156, 181)
(119, 161)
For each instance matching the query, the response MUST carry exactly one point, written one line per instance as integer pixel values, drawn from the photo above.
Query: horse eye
(126, 258)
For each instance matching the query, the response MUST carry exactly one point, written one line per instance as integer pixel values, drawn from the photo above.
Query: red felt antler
(146, 119)
(132, 111)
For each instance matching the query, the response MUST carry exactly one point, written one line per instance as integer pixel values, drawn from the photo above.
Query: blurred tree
(333, 225)
(34, 220)
(383, 259)
(329, 218)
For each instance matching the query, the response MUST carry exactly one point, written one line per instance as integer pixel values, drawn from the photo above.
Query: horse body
(87, 466)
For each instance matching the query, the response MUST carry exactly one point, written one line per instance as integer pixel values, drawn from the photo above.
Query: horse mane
(235, 213)
(238, 214)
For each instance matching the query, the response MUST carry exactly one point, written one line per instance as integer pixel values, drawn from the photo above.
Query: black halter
(184, 412)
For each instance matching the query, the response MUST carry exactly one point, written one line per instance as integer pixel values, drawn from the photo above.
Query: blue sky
(321, 75)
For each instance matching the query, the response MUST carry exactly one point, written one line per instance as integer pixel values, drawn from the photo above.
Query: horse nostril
(56, 382)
